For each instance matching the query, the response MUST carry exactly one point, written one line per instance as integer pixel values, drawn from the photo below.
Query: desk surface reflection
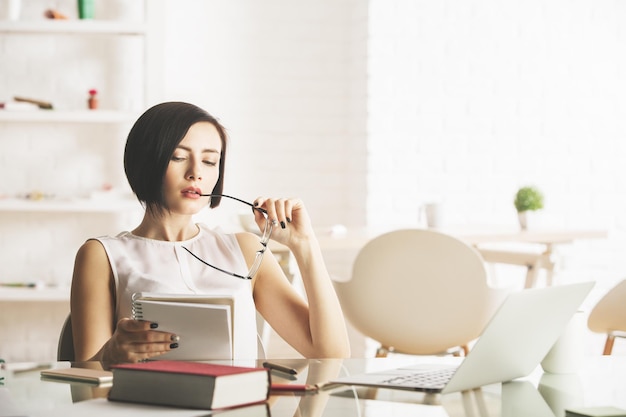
(601, 382)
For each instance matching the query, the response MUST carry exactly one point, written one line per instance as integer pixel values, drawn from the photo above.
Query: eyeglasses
(265, 237)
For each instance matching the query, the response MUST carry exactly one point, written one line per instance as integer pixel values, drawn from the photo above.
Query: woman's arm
(315, 327)
(96, 335)
(92, 301)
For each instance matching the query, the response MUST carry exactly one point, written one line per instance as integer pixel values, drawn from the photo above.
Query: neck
(171, 228)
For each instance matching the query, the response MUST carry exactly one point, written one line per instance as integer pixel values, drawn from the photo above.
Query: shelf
(102, 27)
(67, 116)
(34, 294)
(69, 206)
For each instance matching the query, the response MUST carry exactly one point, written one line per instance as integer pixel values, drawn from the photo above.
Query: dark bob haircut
(151, 144)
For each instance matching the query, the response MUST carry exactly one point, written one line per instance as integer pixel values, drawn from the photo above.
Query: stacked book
(190, 384)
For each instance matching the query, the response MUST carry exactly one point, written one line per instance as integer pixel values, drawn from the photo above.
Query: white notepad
(204, 323)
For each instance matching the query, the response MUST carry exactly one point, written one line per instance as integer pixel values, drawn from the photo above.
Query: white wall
(282, 77)
(470, 100)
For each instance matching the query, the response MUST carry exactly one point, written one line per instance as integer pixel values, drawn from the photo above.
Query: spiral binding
(136, 307)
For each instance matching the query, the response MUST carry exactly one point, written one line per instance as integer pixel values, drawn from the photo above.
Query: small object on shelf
(54, 14)
(86, 9)
(35, 196)
(42, 104)
(18, 106)
(19, 284)
(11, 9)
(92, 102)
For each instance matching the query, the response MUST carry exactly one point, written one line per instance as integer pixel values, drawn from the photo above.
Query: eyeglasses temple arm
(236, 199)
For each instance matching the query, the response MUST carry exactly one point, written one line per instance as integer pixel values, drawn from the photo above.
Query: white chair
(609, 316)
(419, 292)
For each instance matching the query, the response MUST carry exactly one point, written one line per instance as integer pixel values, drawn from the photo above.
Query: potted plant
(527, 199)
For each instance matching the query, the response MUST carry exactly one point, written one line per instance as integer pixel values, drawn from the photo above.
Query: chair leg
(608, 345)
(457, 350)
(383, 351)
(465, 350)
(531, 275)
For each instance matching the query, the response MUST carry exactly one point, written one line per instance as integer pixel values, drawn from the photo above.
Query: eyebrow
(207, 150)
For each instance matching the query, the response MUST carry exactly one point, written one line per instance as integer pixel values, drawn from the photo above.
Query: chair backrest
(419, 291)
(65, 349)
(609, 314)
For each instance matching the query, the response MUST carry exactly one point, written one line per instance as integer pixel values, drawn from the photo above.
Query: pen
(276, 367)
(293, 387)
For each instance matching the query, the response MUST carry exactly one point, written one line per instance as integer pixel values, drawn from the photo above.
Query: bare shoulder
(91, 251)
(91, 262)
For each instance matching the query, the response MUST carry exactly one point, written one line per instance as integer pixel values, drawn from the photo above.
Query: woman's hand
(313, 325)
(136, 340)
(290, 219)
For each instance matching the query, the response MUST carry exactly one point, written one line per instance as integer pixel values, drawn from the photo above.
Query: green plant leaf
(528, 199)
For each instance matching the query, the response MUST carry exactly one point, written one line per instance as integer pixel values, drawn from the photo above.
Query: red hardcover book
(189, 384)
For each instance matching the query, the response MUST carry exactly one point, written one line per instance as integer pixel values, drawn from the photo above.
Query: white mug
(434, 215)
(567, 353)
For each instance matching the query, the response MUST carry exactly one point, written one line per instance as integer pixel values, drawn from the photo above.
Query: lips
(192, 191)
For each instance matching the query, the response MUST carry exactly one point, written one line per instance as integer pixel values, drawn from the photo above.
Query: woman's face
(193, 169)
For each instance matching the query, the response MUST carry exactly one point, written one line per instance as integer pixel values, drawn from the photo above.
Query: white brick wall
(281, 76)
(470, 100)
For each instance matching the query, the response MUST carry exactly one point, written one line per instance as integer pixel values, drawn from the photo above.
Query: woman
(174, 158)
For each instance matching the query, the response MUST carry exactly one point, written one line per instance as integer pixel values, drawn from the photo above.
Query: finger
(143, 331)
(279, 206)
(289, 205)
(153, 349)
(270, 207)
(131, 325)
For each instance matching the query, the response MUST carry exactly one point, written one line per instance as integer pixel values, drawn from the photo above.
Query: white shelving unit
(79, 27)
(68, 116)
(68, 206)
(28, 295)
(96, 136)
(67, 151)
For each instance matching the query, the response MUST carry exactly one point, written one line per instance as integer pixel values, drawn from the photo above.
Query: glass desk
(600, 382)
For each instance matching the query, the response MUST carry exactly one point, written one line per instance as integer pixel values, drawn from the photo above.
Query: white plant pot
(522, 216)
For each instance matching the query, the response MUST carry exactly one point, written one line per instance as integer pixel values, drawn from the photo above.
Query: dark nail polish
(173, 345)
(256, 203)
(288, 219)
(282, 224)
(154, 325)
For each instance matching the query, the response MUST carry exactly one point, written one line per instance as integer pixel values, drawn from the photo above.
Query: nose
(195, 172)
(194, 176)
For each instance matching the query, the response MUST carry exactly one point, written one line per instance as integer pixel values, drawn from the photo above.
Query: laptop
(513, 343)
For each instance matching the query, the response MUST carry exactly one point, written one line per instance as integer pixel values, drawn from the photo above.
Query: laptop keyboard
(435, 379)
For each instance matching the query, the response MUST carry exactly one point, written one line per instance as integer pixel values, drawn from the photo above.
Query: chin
(187, 209)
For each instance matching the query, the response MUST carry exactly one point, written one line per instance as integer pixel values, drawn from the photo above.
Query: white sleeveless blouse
(147, 265)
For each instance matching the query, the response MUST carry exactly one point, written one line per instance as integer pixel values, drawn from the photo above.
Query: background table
(482, 238)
